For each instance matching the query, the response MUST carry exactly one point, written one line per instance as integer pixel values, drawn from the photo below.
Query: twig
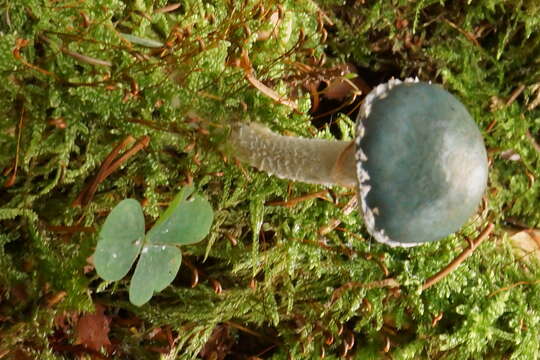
(139, 145)
(264, 351)
(167, 8)
(269, 92)
(321, 14)
(85, 59)
(509, 287)
(245, 63)
(536, 101)
(334, 223)
(514, 95)
(11, 180)
(108, 166)
(491, 125)
(91, 188)
(292, 202)
(82, 58)
(468, 35)
(4, 352)
(459, 259)
(19, 45)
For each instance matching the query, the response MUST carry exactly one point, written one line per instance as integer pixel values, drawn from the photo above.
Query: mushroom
(418, 161)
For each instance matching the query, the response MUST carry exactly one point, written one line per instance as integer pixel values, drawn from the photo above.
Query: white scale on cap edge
(380, 92)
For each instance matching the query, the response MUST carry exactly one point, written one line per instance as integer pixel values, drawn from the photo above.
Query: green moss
(482, 52)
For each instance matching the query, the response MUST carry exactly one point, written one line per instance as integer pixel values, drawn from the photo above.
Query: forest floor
(103, 100)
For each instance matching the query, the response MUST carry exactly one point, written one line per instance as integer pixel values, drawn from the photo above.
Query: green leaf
(120, 240)
(181, 196)
(156, 269)
(186, 221)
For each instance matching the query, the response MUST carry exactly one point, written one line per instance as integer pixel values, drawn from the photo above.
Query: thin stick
(534, 103)
(271, 93)
(85, 59)
(514, 95)
(139, 145)
(468, 35)
(109, 165)
(80, 57)
(509, 287)
(245, 63)
(11, 180)
(167, 8)
(459, 259)
(290, 203)
(91, 188)
(334, 223)
(20, 44)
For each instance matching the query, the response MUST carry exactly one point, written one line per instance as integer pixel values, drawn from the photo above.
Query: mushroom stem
(314, 161)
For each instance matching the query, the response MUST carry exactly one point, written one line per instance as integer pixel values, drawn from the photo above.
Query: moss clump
(73, 88)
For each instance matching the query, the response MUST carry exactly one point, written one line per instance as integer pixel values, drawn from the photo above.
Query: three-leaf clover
(187, 220)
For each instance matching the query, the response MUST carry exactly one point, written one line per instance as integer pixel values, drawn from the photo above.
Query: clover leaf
(120, 240)
(187, 220)
(156, 269)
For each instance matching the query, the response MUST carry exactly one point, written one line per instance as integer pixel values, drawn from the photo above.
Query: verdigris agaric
(418, 161)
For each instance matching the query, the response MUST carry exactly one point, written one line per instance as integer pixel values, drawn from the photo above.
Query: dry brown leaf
(65, 320)
(341, 87)
(93, 330)
(526, 245)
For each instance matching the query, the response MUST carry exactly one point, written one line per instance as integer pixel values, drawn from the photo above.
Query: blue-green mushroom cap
(422, 164)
